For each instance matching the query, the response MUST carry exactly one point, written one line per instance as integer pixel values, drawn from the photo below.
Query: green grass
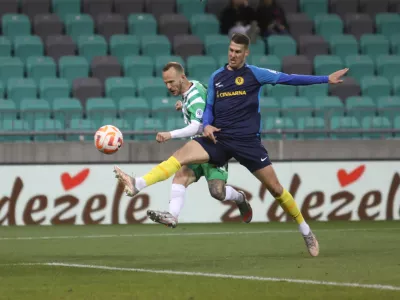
(358, 252)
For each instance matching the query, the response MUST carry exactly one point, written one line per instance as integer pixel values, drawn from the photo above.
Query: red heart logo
(348, 178)
(69, 182)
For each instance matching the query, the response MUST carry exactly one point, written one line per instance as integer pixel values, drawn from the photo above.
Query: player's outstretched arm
(192, 129)
(208, 117)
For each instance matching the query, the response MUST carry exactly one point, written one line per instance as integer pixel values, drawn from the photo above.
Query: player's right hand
(162, 137)
(178, 105)
(209, 132)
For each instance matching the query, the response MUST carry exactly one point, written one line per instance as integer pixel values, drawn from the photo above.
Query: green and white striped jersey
(194, 102)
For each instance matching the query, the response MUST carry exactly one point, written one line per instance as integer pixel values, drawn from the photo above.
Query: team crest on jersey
(239, 80)
(199, 113)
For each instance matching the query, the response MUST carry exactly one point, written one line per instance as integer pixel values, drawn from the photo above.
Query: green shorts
(210, 171)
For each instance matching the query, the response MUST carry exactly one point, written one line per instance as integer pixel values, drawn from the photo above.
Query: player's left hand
(209, 132)
(162, 137)
(336, 77)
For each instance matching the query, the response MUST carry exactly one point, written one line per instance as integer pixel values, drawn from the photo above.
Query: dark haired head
(241, 39)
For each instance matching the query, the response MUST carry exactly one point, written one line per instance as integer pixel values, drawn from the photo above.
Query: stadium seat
(327, 64)
(376, 123)
(297, 64)
(394, 6)
(345, 124)
(160, 7)
(296, 107)
(373, 7)
(328, 25)
(313, 91)
(360, 66)
(79, 25)
(271, 62)
(155, 45)
(374, 45)
(15, 25)
(201, 66)
(289, 6)
(172, 25)
(110, 24)
(14, 125)
(60, 45)
(162, 60)
(5, 46)
(310, 124)
(8, 110)
(388, 66)
(147, 124)
(129, 7)
(131, 108)
(313, 45)
(79, 125)
(142, 25)
(73, 67)
(52, 88)
(343, 7)
(47, 124)
(95, 8)
(11, 67)
(216, 6)
(66, 109)
(375, 86)
(349, 87)
(281, 46)
(32, 109)
(343, 45)
(204, 24)
(269, 107)
(21, 88)
(360, 107)
(84, 88)
(66, 7)
(299, 24)
(387, 24)
(117, 88)
(191, 8)
(314, 7)
(38, 67)
(8, 7)
(216, 45)
(122, 46)
(280, 91)
(2, 90)
(138, 66)
(47, 25)
(32, 8)
(99, 108)
(176, 122)
(328, 106)
(151, 87)
(358, 25)
(26, 46)
(279, 125)
(163, 108)
(388, 107)
(395, 44)
(91, 46)
(258, 48)
(103, 67)
(187, 45)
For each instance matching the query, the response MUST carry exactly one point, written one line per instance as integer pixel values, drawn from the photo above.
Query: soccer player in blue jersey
(231, 125)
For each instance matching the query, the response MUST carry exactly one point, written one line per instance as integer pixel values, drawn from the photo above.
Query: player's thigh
(186, 175)
(191, 153)
(217, 153)
(268, 178)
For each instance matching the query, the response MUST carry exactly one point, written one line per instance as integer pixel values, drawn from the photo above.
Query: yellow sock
(288, 204)
(163, 171)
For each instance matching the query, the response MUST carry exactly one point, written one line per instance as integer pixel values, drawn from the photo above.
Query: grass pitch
(102, 262)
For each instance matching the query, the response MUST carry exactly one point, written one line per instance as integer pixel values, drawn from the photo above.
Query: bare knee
(275, 189)
(217, 189)
(184, 176)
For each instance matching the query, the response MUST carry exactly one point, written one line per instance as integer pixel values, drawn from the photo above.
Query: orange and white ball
(108, 139)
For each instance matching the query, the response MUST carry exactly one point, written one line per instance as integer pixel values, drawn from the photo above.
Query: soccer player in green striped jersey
(194, 95)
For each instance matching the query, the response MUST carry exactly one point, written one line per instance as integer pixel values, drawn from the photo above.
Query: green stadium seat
(138, 66)
(8, 110)
(5, 47)
(48, 125)
(39, 67)
(221, 60)
(155, 45)
(73, 67)
(360, 66)
(278, 124)
(374, 45)
(328, 25)
(163, 108)
(117, 88)
(52, 88)
(147, 124)
(2, 90)
(201, 66)
(14, 125)
(281, 46)
(151, 87)
(11, 67)
(328, 106)
(66, 109)
(313, 8)
(396, 85)
(388, 107)
(175, 123)
(258, 48)
(66, 7)
(79, 25)
(21, 88)
(216, 45)
(269, 107)
(313, 91)
(91, 46)
(271, 62)
(15, 25)
(81, 125)
(360, 107)
(345, 124)
(122, 46)
(280, 91)
(387, 24)
(162, 60)
(395, 44)
(376, 123)
(131, 108)
(121, 124)
(203, 25)
(32, 109)
(388, 66)
(142, 24)
(375, 86)
(327, 64)
(296, 107)
(190, 8)
(26, 46)
(343, 45)
(99, 108)
(311, 124)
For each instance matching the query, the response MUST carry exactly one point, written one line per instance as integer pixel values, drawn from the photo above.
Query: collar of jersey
(189, 90)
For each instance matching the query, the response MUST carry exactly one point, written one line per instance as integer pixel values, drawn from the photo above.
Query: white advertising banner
(90, 194)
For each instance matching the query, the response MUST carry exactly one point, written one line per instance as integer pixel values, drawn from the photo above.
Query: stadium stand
(73, 65)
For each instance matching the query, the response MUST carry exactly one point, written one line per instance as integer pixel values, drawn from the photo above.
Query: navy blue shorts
(249, 152)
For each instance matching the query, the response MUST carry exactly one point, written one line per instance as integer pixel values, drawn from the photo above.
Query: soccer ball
(108, 139)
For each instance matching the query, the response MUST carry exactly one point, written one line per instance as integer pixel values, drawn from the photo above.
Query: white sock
(304, 228)
(233, 195)
(177, 199)
(140, 183)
